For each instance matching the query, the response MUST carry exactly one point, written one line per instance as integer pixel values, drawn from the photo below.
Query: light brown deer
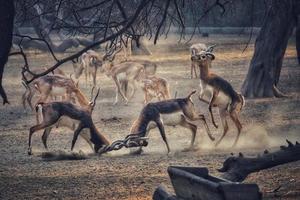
(128, 73)
(218, 92)
(57, 85)
(89, 63)
(30, 90)
(173, 112)
(155, 87)
(51, 112)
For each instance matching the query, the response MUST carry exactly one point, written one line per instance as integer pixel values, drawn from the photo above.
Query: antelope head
(203, 58)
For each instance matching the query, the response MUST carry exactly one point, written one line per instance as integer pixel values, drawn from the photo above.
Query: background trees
(265, 67)
(62, 24)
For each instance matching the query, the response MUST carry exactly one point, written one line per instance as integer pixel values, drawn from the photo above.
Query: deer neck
(82, 100)
(140, 126)
(204, 71)
(97, 138)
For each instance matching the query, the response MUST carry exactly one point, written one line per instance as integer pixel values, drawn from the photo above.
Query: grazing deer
(30, 90)
(51, 112)
(57, 85)
(217, 92)
(155, 87)
(153, 112)
(196, 49)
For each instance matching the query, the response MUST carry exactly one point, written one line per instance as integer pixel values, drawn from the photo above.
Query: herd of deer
(62, 103)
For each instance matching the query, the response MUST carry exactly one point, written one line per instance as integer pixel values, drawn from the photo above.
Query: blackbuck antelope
(155, 87)
(169, 112)
(53, 85)
(217, 92)
(51, 112)
(194, 50)
(70, 123)
(30, 89)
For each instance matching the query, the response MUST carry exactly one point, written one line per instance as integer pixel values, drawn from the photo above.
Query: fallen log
(237, 168)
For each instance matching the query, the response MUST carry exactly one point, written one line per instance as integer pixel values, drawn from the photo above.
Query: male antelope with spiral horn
(218, 92)
(167, 110)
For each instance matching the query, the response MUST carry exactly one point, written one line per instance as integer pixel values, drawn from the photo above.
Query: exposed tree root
(279, 94)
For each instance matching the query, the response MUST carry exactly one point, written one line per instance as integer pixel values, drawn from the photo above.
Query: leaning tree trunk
(7, 13)
(271, 43)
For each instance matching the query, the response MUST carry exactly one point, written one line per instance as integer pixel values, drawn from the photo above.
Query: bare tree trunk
(238, 168)
(265, 67)
(7, 13)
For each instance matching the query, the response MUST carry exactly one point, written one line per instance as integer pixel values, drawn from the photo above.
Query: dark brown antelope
(53, 111)
(171, 110)
(217, 92)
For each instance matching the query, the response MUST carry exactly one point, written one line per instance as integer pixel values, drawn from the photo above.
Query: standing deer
(155, 87)
(51, 112)
(130, 73)
(89, 62)
(217, 92)
(174, 112)
(87, 65)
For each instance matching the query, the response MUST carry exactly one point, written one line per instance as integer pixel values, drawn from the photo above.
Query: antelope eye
(202, 57)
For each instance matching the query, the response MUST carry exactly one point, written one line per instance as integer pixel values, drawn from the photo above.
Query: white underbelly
(172, 119)
(122, 77)
(206, 92)
(58, 91)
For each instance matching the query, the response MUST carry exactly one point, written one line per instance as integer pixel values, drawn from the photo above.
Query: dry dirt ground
(118, 175)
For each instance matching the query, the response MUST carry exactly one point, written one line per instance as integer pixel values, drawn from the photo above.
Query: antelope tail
(242, 101)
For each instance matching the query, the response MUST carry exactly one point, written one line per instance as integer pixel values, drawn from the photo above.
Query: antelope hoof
(29, 151)
(215, 125)
(212, 138)
(126, 101)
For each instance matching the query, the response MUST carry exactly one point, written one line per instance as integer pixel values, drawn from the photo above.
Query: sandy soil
(118, 175)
